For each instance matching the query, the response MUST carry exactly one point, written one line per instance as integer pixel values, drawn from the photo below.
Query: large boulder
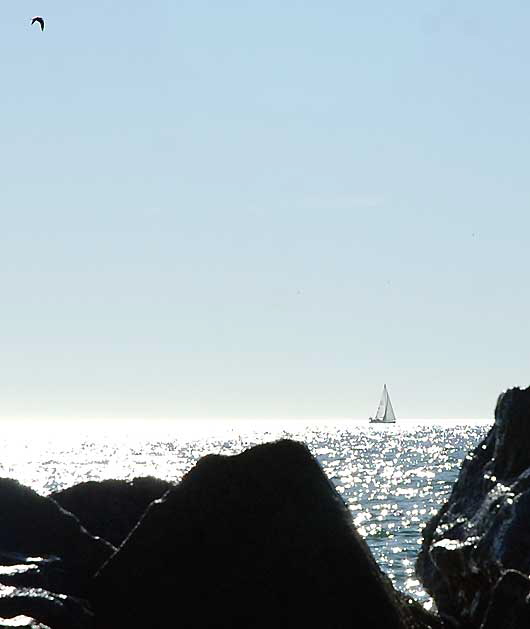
(253, 541)
(37, 527)
(110, 509)
(482, 531)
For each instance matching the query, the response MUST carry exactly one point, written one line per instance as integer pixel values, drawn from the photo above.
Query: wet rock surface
(418, 617)
(482, 531)
(35, 526)
(55, 610)
(37, 572)
(111, 509)
(21, 622)
(47, 561)
(256, 540)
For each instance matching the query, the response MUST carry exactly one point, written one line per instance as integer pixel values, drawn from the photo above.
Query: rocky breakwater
(475, 555)
(256, 540)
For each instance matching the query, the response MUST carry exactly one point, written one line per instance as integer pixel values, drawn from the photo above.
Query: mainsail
(385, 412)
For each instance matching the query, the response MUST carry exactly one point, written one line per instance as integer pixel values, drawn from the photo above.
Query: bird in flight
(40, 20)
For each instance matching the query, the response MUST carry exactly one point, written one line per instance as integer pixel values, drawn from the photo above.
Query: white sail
(385, 412)
(389, 412)
(381, 410)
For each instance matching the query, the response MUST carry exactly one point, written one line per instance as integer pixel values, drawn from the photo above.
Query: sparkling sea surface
(393, 478)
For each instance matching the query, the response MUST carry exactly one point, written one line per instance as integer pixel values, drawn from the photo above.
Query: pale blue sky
(263, 209)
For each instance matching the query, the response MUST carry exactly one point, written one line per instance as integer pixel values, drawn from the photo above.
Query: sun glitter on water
(392, 478)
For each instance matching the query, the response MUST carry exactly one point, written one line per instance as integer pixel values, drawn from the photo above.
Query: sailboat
(385, 412)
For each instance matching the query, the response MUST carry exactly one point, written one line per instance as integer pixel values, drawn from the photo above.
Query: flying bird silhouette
(40, 20)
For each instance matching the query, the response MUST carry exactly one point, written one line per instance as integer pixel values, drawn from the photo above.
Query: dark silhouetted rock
(482, 530)
(37, 527)
(55, 610)
(110, 509)
(509, 607)
(260, 540)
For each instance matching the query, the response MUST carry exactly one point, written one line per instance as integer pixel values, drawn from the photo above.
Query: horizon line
(225, 419)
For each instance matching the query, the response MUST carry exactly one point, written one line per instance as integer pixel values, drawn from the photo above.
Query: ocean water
(393, 478)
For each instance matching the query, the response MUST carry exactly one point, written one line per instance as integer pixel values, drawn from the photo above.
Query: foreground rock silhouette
(476, 551)
(257, 540)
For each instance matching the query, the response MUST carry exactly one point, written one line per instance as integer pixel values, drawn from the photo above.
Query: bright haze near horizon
(263, 209)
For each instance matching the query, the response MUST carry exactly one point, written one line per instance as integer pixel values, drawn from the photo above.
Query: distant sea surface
(393, 478)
